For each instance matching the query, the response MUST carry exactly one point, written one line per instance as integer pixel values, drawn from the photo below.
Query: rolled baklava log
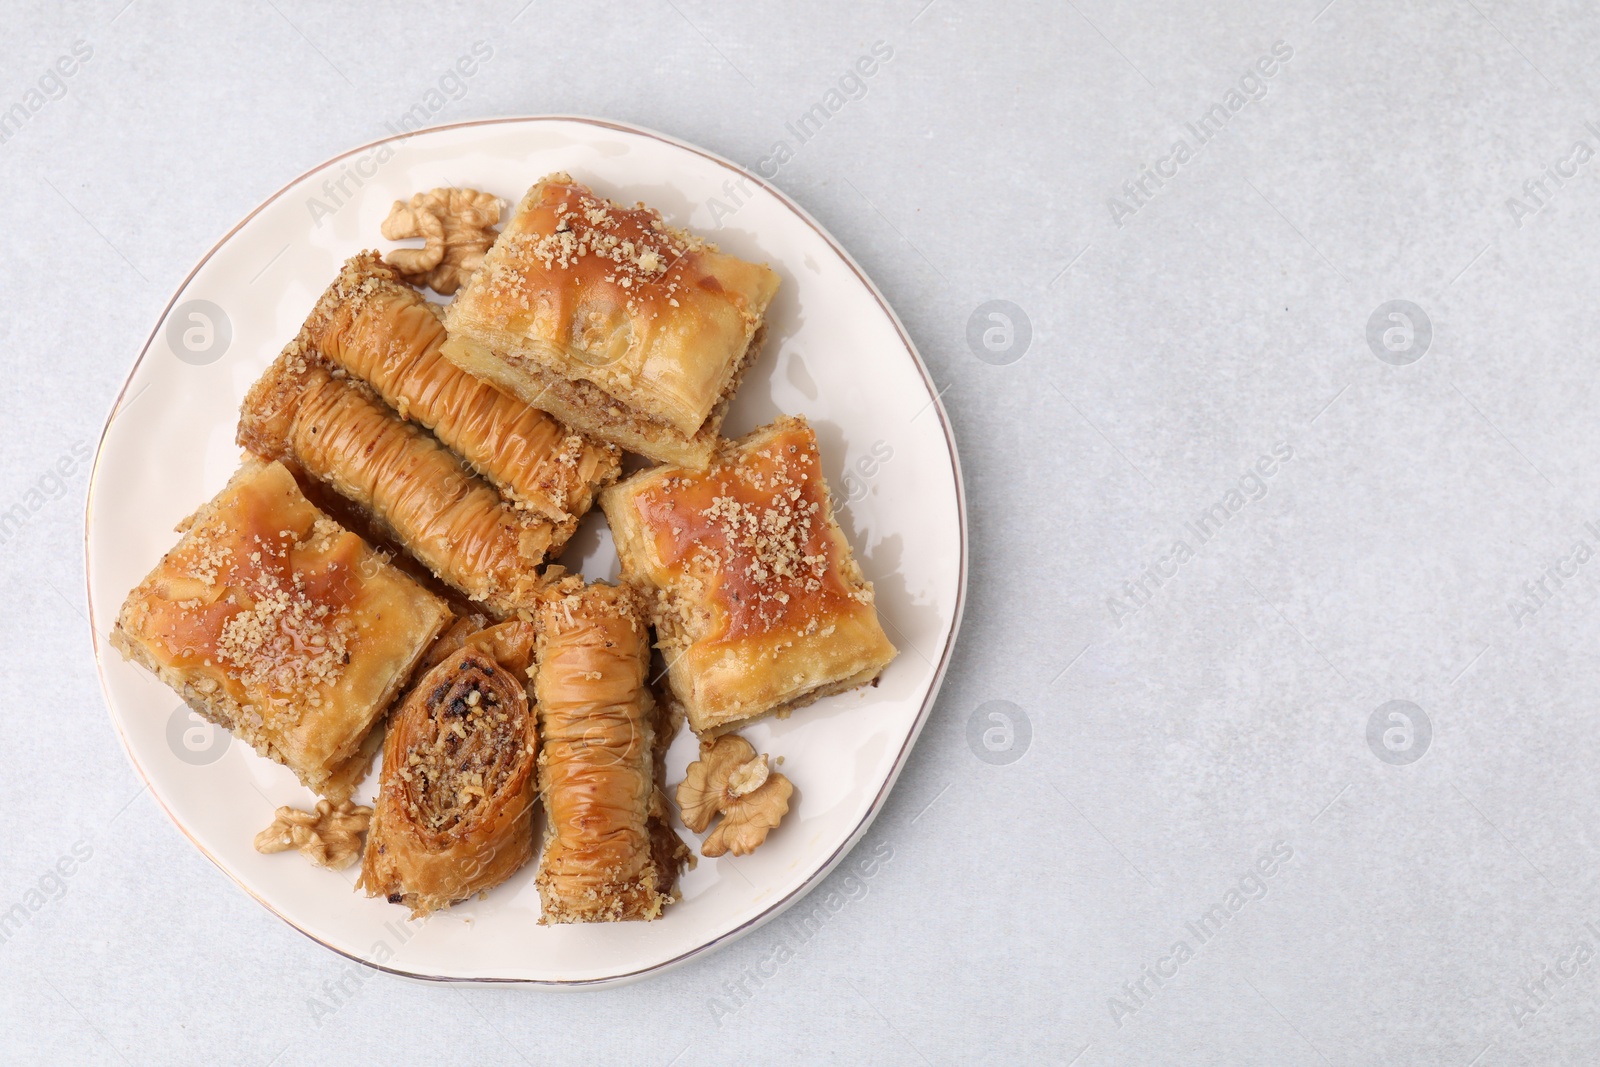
(604, 859)
(417, 491)
(386, 333)
(454, 814)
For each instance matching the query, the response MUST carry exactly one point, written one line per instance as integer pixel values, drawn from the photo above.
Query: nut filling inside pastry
(455, 805)
(469, 743)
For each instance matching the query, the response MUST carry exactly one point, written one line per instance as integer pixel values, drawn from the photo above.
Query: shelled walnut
(456, 228)
(730, 779)
(328, 835)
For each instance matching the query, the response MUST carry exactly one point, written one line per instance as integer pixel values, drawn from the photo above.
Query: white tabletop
(1285, 418)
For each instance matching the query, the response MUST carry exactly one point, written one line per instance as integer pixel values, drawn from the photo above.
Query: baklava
(454, 814)
(604, 858)
(612, 321)
(384, 332)
(758, 603)
(273, 621)
(337, 430)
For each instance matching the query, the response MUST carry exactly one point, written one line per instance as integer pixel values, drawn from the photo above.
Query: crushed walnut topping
(774, 538)
(328, 835)
(755, 524)
(283, 638)
(211, 558)
(638, 248)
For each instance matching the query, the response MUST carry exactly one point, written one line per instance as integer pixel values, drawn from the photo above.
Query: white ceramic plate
(835, 353)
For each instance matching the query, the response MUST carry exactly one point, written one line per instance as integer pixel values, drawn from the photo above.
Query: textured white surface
(1227, 314)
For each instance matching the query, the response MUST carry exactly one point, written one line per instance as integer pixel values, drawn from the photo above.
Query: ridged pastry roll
(454, 814)
(415, 490)
(387, 334)
(596, 767)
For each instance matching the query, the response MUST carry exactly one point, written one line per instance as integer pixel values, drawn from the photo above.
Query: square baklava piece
(612, 321)
(758, 604)
(273, 621)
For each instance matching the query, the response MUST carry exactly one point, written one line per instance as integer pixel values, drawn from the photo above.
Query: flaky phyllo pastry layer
(454, 814)
(607, 855)
(759, 605)
(386, 334)
(420, 493)
(271, 620)
(613, 321)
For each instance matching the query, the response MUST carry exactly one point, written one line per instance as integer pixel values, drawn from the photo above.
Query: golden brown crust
(386, 334)
(415, 489)
(601, 860)
(759, 605)
(655, 324)
(271, 620)
(455, 806)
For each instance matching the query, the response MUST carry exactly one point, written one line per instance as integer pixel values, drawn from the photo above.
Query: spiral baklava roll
(596, 767)
(413, 488)
(454, 814)
(384, 332)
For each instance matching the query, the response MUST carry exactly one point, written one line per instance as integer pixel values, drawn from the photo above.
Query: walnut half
(456, 226)
(328, 836)
(731, 780)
